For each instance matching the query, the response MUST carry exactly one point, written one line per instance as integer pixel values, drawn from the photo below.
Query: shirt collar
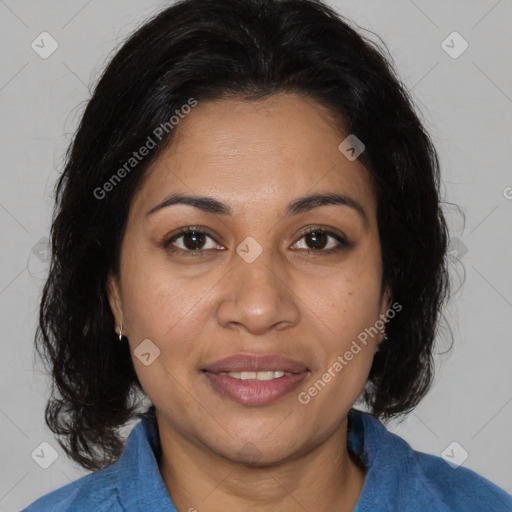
(140, 483)
(392, 480)
(141, 487)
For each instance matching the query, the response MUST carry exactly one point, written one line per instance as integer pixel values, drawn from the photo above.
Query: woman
(248, 233)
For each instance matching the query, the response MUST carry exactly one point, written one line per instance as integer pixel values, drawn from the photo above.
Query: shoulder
(95, 491)
(458, 488)
(401, 478)
(129, 483)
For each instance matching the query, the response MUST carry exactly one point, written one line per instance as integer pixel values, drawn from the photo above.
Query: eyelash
(168, 243)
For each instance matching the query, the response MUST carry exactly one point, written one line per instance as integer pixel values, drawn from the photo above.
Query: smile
(257, 376)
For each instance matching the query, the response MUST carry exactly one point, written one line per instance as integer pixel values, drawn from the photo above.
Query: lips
(251, 363)
(254, 392)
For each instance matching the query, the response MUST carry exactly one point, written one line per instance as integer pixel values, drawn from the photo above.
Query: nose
(258, 297)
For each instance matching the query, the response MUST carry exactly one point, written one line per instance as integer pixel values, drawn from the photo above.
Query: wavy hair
(249, 49)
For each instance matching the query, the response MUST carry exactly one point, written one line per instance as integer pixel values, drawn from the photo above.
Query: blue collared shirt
(398, 478)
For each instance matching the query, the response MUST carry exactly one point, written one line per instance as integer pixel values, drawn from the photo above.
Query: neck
(197, 479)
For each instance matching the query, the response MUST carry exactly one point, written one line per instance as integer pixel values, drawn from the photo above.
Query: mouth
(264, 375)
(255, 380)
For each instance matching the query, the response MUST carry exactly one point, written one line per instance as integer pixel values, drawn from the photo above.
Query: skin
(256, 157)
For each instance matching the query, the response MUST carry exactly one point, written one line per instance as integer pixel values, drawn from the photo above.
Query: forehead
(256, 153)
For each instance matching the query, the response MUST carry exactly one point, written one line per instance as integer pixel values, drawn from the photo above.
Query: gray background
(467, 105)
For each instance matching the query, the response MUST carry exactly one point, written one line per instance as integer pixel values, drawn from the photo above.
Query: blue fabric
(398, 478)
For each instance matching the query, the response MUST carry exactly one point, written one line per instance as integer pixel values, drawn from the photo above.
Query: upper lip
(255, 363)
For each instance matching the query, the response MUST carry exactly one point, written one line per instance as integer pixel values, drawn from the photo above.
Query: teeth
(265, 375)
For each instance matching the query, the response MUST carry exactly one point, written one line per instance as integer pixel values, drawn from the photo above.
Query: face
(286, 286)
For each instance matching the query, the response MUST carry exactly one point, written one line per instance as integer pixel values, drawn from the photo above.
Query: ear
(386, 301)
(114, 299)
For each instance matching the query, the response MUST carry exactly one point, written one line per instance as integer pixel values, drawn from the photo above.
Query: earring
(121, 332)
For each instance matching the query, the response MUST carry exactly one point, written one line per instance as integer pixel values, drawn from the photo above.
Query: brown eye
(316, 239)
(321, 241)
(191, 240)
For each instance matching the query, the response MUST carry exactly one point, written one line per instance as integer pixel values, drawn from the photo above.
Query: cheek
(346, 313)
(172, 317)
(169, 312)
(345, 305)
(156, 297)
(173, 312)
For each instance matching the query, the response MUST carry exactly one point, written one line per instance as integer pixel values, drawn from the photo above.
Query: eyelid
(323, 229)
(168, 240)
(343, 242)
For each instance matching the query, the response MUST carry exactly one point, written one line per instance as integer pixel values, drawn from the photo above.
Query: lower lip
(254, 392)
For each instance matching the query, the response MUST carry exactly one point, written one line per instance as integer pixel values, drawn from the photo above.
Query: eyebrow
(297, 206)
